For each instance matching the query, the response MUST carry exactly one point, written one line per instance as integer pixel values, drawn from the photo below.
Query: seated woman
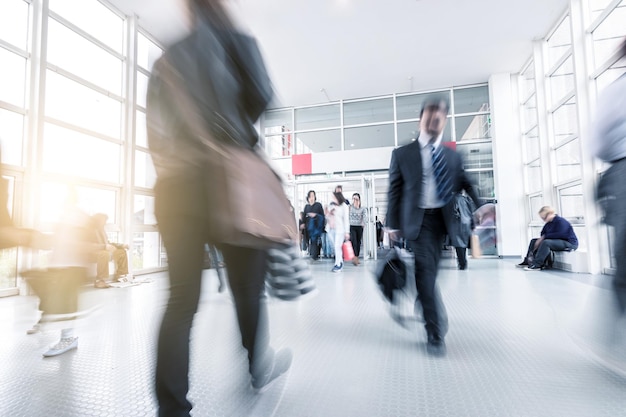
(105, 251)
(557, 235)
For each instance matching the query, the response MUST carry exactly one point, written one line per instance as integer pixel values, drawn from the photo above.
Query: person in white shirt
(358, 218)
(341, 221)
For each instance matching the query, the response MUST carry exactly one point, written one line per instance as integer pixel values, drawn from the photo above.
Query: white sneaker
(62, 346)
(35, 329)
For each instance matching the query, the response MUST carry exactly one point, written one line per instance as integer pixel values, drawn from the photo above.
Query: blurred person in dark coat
(608, 143)
(314, 218)
(213, 61)
(423, 178)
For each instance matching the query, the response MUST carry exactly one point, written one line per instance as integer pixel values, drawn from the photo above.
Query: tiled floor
(520, 344)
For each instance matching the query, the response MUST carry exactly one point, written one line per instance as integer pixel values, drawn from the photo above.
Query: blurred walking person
(315, 222)
(358, 218)
(608, 143)
(423, 178)
(340, 220)
(222, 70)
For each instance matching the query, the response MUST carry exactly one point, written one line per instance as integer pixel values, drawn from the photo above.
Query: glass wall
(607, 28)
(146, 246)
(79, 131)
(15, 26)
(385, 121)
(550, 132)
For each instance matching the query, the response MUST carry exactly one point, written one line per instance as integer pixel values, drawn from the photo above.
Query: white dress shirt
(429, 198)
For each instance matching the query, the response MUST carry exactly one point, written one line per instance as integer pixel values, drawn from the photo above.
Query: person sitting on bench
(104, 251)
(557, 235)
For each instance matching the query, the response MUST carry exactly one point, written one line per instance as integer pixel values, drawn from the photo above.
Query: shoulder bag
(251, 209)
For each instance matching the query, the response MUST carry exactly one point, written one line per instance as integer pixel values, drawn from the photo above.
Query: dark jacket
(405, 187)
(314, 225)
(559, 228)
(225, 76)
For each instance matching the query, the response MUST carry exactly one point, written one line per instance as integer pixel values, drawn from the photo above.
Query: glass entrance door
(323, 190)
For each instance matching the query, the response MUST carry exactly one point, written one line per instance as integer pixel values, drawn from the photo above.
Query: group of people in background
(325, 230)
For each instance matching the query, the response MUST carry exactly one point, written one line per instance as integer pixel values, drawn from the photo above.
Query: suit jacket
(405, 187)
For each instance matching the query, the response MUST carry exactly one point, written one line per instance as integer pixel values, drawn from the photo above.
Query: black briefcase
(391, 273)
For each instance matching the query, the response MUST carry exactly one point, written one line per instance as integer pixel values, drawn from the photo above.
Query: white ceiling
(363, 48)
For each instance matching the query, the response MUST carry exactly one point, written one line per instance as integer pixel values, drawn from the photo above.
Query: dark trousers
(427, 251)
(184, 239)
(356, 237)
(616, 216)
(538, 257)
(461, 256)
(314, 246)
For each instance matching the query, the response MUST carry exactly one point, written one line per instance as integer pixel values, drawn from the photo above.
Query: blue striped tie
(442, 179)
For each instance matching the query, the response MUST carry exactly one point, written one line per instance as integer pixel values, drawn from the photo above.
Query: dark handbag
(253, 210)
(288, 275)
(391, 273)
(250, 208)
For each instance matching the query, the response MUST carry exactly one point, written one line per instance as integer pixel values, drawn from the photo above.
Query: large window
(12, 77)
(103, 68)
(530, 131)
(14, 61)
(368, 111)
(78, 156)
(551, 105)
(94, 18)
(11, 136)
(146, 248)
(607, 30)
(90, 158)
(383, 122)
(607, 33)
(72, 102)
(318, 117)
(279, 133)
(83, 132)
(14, 19)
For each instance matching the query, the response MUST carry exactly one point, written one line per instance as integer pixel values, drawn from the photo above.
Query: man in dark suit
(423, 177)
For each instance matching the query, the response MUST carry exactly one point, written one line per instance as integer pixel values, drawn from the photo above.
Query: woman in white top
(341, 220)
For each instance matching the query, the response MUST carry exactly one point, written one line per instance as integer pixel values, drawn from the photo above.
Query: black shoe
(522, 265)
(532, 267)
(436, 346)
(463, 267)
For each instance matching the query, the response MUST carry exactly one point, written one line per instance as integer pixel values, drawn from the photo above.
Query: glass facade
(551, 134)
(91, 133)
(387, 121)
